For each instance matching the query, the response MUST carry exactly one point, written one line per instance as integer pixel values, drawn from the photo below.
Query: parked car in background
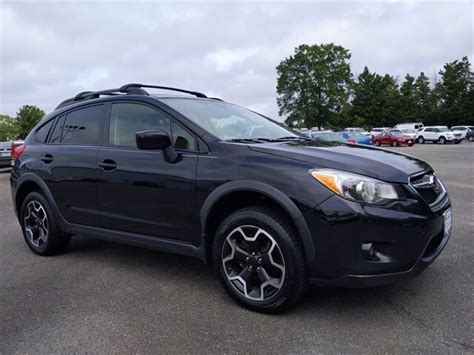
(409, 132)
(378, 130)
(394, 138)
(356, 130)
(415, 126)
(438, 134)
(328, 136)
(357, 137)
(467, 132)
(5, 155)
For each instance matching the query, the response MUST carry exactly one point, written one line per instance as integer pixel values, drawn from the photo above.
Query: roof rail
(135, 86)
(129, 89)
(88, 95)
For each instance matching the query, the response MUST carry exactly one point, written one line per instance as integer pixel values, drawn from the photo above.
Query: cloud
(53, 50)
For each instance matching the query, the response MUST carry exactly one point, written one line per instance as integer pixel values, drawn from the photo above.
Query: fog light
(368, 251)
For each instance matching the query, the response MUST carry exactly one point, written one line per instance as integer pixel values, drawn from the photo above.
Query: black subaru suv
(273, 211)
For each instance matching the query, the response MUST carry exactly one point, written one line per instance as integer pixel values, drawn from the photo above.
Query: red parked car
(394, 138)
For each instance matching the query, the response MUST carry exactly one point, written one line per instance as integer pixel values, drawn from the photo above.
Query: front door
(138, 190)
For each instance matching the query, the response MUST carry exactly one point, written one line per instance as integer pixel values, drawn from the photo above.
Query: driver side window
(126, 119)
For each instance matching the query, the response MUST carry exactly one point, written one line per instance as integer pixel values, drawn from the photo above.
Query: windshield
(408, 131)
(227, 121)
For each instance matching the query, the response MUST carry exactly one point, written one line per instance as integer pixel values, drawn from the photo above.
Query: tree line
(12, 128)
(316, 88)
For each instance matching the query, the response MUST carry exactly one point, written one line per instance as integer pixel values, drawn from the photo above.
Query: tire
(421, 140)
(442, 140)
(39, 228)
(457, 142)
(394, 144)
(377, 143)
(285, 262)
(471, 138)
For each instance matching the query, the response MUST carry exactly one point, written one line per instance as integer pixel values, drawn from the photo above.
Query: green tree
(7, 128)
(375, 99)
(26, 118)
(408, 99)
(313, 84)
(456, 92)
(422, 96)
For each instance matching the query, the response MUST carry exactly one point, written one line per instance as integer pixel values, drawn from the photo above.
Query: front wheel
(260, 260)
(470, 139)
(442, 140)
(39, 228)
(421, 140)
(377, 143)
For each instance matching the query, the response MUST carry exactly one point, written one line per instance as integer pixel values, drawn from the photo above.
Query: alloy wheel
(253, 263)
(36, 223)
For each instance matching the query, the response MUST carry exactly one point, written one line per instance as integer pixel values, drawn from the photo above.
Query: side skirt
(140, 240)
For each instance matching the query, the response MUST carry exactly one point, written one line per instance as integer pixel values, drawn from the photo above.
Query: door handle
(47, 158)
(108, 165)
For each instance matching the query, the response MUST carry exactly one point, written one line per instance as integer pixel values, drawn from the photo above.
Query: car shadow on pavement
(166, 267)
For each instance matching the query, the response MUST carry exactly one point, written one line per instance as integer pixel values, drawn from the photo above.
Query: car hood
(374, 162)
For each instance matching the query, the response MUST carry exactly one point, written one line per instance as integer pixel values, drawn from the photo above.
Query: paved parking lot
(105, 297)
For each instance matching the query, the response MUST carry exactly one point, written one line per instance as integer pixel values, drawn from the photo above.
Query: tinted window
(82, 126)
(182, 139)
(42, 132)
(127, 119)
(428, 129)
(56, 134)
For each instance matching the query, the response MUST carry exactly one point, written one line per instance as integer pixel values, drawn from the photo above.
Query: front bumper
(359, 246)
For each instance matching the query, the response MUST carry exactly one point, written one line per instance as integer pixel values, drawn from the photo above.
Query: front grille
(428, 186)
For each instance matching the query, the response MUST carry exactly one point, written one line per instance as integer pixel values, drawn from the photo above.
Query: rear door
(69, 163)
(138, 190)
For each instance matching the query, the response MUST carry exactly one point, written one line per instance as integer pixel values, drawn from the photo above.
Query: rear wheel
(421, 140)
(39, 228)
(470, 139)
(259, 258)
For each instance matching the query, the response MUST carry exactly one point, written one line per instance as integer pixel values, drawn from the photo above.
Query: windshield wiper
(245, 140)
(291, 138)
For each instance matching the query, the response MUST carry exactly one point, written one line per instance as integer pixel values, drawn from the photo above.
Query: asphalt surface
(106, 297)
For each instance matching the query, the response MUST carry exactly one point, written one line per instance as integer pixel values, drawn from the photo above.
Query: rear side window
(55, 136)
(82, 126)
(127, 119)
(42, 132)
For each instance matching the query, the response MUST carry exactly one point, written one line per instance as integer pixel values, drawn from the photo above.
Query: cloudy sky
(53, 50)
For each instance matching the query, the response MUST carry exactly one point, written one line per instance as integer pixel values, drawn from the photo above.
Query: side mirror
(157, 140)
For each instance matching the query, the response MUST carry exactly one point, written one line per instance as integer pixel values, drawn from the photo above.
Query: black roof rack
(129, 89)
(132, 86)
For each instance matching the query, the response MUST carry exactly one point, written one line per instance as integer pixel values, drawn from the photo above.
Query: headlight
(357, 187)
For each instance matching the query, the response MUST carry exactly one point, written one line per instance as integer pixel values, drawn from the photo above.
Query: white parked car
(438, 134)
(415, 126)
(378, 130)
(357, 130)
(467, 132)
